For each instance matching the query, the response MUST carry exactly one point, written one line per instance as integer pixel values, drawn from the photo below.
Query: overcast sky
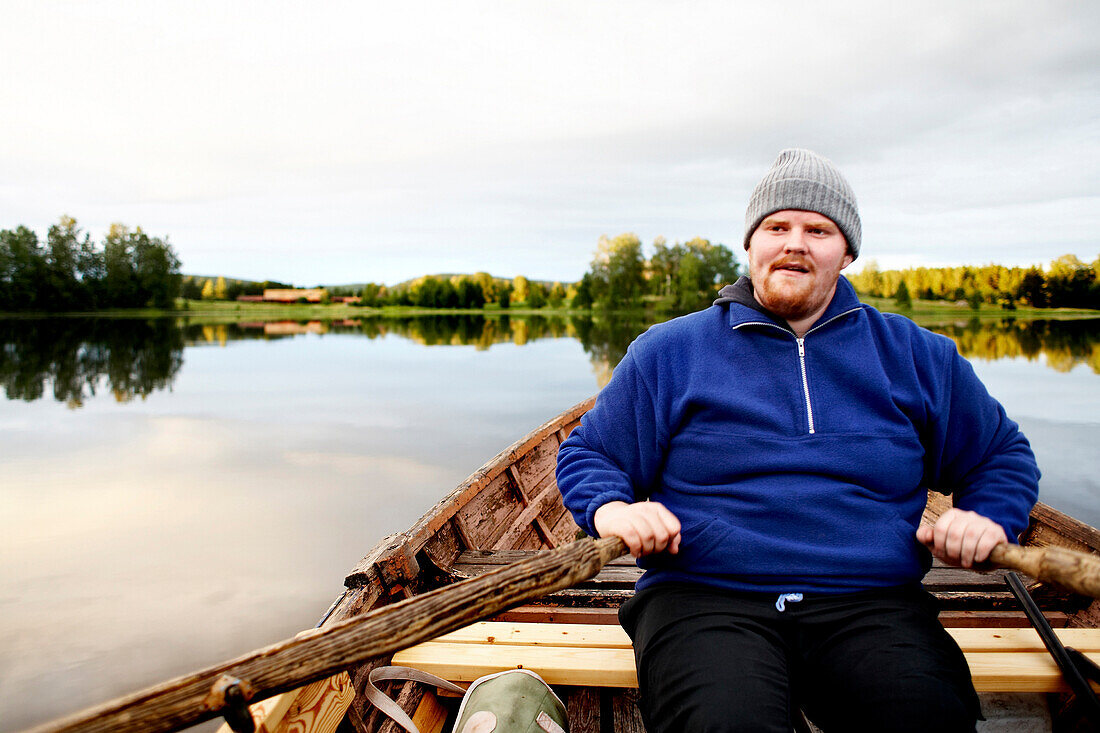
(354, 141)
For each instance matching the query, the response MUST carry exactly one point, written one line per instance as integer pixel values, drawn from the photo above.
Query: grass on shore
(923, 311)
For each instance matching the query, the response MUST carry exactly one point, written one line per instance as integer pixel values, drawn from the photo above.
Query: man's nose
(796, 240)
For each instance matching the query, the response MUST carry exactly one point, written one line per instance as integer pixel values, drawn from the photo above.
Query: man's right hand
(646, 527)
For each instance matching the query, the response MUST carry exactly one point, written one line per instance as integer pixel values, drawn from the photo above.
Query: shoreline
(922, 310)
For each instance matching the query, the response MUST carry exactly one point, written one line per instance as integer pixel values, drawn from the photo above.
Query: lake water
(172, 495)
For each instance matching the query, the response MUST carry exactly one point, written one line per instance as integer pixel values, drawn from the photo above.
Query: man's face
(795, 259)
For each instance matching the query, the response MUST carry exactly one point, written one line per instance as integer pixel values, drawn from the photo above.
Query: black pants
(714, 660)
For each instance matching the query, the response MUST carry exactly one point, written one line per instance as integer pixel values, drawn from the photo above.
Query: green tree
(1070, 282)
(664, 267)
(63, 288)
(156, 269)
(702, 267)
(1033, 288)
(371, 295)
(22, 268)
(119, 280)
(582, 298)
(190, 288)
(618, 271)
(557, 295)
(488, 286)
(519, 288)
(902, 298)
(536, 295)
(469, 293)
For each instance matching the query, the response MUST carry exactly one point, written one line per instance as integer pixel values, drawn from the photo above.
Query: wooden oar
(324, 652)
(1075, 571)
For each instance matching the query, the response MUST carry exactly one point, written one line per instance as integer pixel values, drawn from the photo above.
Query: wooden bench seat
(1001, 660)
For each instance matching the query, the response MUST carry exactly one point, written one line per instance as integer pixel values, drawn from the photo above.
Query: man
(767, 460)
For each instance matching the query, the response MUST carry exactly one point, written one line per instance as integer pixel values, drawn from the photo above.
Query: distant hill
(356, 286)
(449, 275)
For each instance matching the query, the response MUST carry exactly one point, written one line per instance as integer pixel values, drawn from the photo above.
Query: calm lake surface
(173, 494)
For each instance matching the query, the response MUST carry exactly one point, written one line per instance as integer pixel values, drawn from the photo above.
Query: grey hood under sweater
(742, 292)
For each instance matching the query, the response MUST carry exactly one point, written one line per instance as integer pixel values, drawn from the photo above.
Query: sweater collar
(744, 308)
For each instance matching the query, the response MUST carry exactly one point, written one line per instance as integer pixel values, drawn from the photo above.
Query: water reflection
(1061, 344)
(79, 358)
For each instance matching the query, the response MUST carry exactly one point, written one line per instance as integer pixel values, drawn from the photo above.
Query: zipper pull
(801, 347)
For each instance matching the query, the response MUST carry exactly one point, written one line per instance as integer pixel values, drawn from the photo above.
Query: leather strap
(385, 703)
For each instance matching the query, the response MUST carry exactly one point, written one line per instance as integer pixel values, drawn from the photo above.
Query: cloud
(382, 143)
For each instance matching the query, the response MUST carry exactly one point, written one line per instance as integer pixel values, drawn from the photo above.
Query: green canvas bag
(512, 701)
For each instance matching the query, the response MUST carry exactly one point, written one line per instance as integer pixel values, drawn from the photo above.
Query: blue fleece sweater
(796, 465)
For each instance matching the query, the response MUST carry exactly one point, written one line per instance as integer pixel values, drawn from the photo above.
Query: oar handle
(1075, 571)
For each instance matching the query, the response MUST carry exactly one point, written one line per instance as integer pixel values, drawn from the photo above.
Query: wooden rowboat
(510, 508)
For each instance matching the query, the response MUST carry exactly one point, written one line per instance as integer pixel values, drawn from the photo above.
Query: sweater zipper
(801, 364)
(805, 382)
(802, 357)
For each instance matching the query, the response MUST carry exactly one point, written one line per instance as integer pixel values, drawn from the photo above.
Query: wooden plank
(583, 706)
(267, 714)
(991, 671)
(1054, 527)
(530, 538)
(1018, 672)
(532, 469)
(507, 557)
(556, 665)
(565, 529)
(315, 708)
(527, 517)
(1001, 660)
(444, 547)
(320, 707)
(624, 712)
(991, 619)
(1013, 640)
(430, 715)
(603, 636)
(538, 520)
(408, 699)
(610, 636)
(556, 614)
(489, 514)
(538, 613)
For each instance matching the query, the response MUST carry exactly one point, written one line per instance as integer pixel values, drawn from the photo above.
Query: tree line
(465, 291)
(196, 287)
(70, 271)
(676, 277)
(1066, 283)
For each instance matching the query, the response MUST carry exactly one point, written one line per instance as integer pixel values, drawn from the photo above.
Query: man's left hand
(961, 538)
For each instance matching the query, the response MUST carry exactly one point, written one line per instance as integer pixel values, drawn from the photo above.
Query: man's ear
(848, 259)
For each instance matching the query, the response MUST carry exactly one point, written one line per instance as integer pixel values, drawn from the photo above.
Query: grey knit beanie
(803, 180)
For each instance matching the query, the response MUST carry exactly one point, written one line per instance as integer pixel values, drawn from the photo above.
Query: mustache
(792, 262)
